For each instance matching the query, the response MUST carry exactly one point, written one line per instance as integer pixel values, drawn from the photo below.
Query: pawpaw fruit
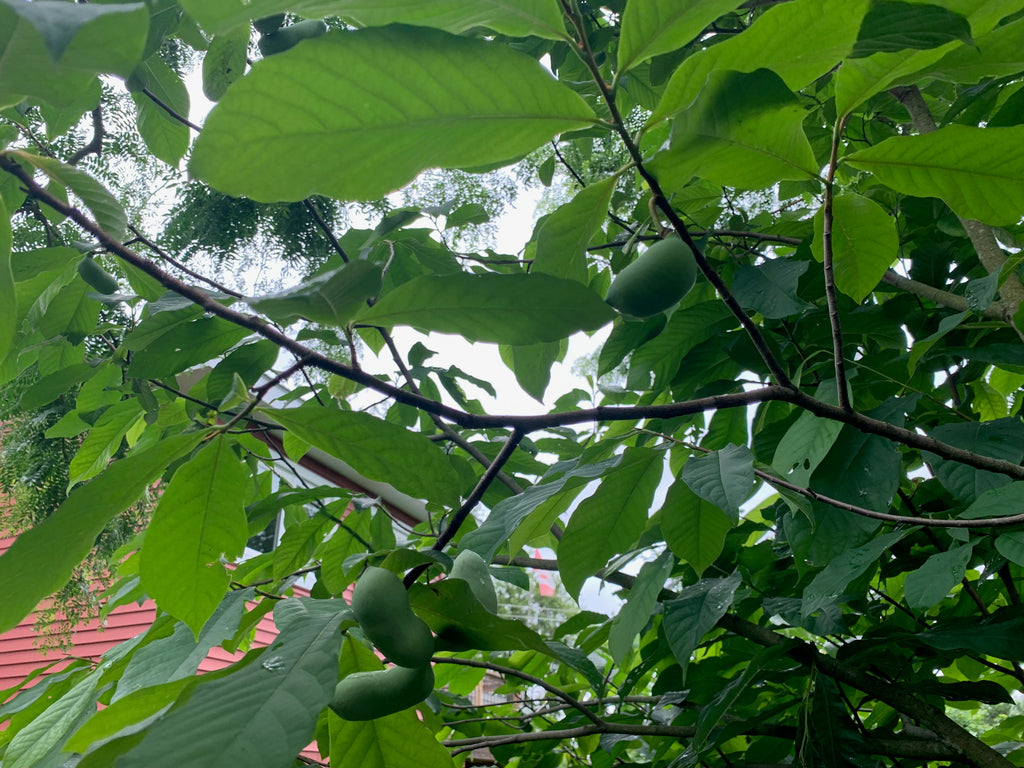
(381, 606)
(287, 37)
(472, 569)
(660, 277)
(97, 277)
(369, 695)
(269, 24)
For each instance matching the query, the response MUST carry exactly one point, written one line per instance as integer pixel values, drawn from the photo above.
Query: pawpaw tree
(806, 482)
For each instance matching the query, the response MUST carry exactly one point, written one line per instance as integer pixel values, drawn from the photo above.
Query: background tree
(850, 179)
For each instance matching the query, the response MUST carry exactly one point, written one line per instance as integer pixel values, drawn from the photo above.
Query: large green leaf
(263, 714)
(743, 130)
(826, 31)
(999, 439)
(695, 612)
(611, 520)
(504, 309)
(331, 298)
(198, 524)
(532, 363)
(724, 478)
(376, 449)
(997, 54)
(450, 102)
(640, 606)
(563, 237)
(165, 135)
(181, 345)
(508, 514)
(694, 529)
(654, 27)
(53, 50)
(936, 578)
(865, 243)
(978, 172)
(893, 26)
(517, 18)
(103, 440)
(770, 288)
(64, 538)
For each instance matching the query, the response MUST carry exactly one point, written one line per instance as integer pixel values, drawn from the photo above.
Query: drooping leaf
(1000, 439)
(864, 243)
(694, 529)
(198, 525)
(531, 365)
(662, 355)
(103, 440)
(724, 478)
(996, 54)
(224, 62)
(452, 102)
(264, 713)
(654, 27)
(517, 18)
(978, 172)
(640, 606)
(376, 449)
(743, 130)
(770, 288)
(999, 638)
(695, 612)
(504, 309)
(930, 583)
(331, 298)
(609, 521)
(563, 237)
(165, 135)
(8, 300)
(64, 538)
(179, 345)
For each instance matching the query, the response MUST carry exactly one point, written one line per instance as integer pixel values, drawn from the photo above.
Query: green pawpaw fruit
(660, 277)
(286, 37)
(381, 606)
(269, 24)
(97, 277)
(369, 695)
(472, 569)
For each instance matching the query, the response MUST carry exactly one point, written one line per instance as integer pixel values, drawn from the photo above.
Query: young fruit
(659, 278)
(369, 695)
(381, 606)
(472, 569)
(97, 277)
(286, 37)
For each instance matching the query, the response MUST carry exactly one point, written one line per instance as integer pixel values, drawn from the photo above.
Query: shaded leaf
(693, 528)
(331, 298)
(930, 583)
(724, 478)
(864, 243)
(640, 606)
(893, 26)
(695, 613)
(770, 288)
(654, 27)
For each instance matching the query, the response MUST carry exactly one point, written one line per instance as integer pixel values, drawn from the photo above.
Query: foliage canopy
(850, 176)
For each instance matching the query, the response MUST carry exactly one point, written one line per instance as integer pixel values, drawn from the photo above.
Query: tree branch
(830, 278)
(995, 311)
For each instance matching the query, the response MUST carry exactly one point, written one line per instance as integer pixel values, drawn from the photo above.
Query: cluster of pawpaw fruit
(656, 280)
(380, 604)
(277, 38)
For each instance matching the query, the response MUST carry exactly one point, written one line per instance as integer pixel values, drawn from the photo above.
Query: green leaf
(770, 288)
(376, 449)
(1011, 546)
(451, 102)
(532, 365)
(330, 298)
(461, 622)
(694, 529)
(894, 26)
(198, 525)
(504, 309)
(105, 208)
(178, 346)
(103, 440)
(53, 51)
(997, 54)
(930, 583)
(8, 300)
(224, 62)
(261, 715)
(611, 520)
(1000, 638)
(563, 237)
(827, 32)
(653, 27)
(248, 362)
(165, 136)
(997, 502)
(663, 354)
(827, 587)
(997, 439)
(640, 606)
(517, 18)
(507, 515)
(865, 243)
(743, 130)
(978, 172)
(695, 613)
(64, 538)
(724, 478)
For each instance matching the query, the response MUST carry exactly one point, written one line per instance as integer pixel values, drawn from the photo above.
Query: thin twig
(830, 278)
(170, 110)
